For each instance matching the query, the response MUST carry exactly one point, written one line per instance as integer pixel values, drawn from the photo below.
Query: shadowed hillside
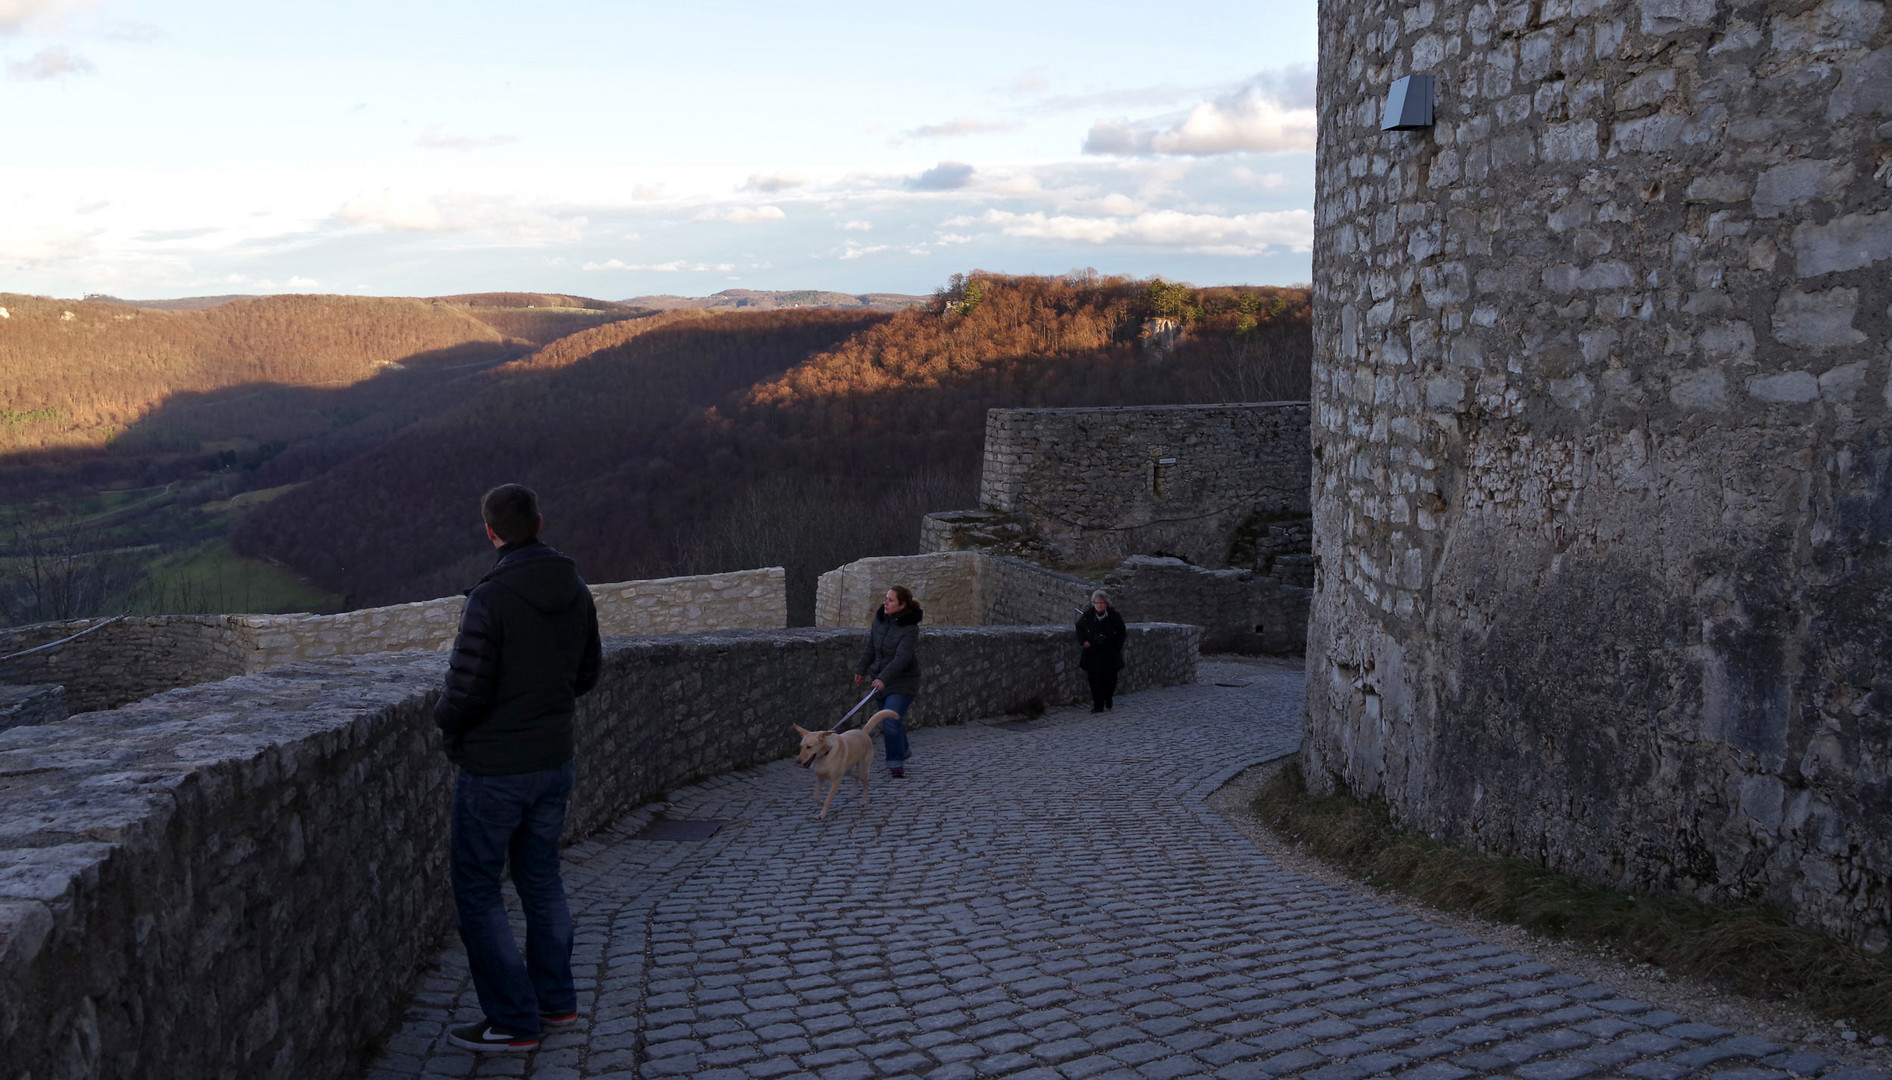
(690, 442)
(75, 375)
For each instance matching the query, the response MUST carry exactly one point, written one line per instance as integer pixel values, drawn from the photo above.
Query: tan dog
(831, 754)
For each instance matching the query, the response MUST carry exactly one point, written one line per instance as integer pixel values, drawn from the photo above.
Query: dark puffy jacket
(528, 647)
(890, 652)
(1104, 634)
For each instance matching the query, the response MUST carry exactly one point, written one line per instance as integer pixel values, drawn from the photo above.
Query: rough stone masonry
(1603, 439)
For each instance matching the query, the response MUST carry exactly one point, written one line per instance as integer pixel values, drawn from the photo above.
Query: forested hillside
(690, 442)
(289, 453)
(79, 375)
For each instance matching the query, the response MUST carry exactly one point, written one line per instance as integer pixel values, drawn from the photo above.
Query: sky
(616, 148)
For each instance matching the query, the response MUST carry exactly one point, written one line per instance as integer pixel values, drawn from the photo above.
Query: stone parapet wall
(135, 658)
(1194, 481)
(1024, 594)
(127, 660)
(1603, 441)
(737, 600)
(275, 843)
(1238, 610)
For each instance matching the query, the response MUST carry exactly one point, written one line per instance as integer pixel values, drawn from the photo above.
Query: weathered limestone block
(1604, 538)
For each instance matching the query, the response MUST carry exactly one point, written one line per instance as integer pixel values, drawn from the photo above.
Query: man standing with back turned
(528, 647)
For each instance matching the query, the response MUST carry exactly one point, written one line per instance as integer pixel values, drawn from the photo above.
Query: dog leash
(855, 709)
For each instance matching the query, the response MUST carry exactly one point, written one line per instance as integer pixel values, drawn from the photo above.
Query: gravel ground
(1781, 1021)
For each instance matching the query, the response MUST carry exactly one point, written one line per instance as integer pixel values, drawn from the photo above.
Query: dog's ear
(801, 730)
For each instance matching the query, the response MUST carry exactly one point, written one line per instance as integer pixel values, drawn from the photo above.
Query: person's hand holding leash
(878, 685)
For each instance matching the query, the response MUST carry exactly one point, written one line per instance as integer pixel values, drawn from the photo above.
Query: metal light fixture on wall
(1408, 104)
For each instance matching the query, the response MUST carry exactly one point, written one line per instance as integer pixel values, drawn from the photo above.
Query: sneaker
(896, 772)
(487, 1037)
(558, 1021)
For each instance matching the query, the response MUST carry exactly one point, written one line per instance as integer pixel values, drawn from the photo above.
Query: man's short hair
(512, 512)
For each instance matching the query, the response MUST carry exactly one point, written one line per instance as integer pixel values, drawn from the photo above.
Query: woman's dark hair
(904, 594)
(512, 512)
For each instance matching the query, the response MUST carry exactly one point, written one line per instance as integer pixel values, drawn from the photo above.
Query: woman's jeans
(518, 817)
(894, 730)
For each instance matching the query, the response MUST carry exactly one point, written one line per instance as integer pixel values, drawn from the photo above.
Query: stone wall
(1200, 482)
(1239, 611)
(238, 880)
(134, 658)
(127, 660)
(949, 587)
(737, 600)
(1603, 492)
(23, 705)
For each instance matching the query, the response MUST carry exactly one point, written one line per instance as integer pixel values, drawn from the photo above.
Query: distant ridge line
(774, 300)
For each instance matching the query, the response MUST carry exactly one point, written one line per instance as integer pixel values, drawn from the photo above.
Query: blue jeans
(894, 731)
(518, 817)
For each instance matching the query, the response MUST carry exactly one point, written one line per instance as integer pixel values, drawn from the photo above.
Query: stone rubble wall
(1603, 440)
(1238, 610)
(1077, 485)
(23, 705)
(134, 658)
(275, 843)
(127, 660)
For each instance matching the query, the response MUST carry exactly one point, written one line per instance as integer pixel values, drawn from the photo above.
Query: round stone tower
(1603, 439)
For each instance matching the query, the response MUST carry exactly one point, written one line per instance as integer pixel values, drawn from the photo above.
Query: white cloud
(1269, 181)
(25, 241)
(958, 127)
(953, 238)
(855, 251)
(48, 63)
(946, 176)
(390, 209)
(857, 226)
(1206, 234)
(1273, 111)
(436, 138)
(743, 215)
(773, 183)
(500, 219)
(15, 14)
(675, 266)
(300, 282)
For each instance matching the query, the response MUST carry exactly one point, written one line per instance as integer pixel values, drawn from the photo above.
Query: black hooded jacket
(891, 652)
(528, 647)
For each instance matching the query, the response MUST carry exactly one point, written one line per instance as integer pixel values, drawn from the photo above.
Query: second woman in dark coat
(891, 660)
(1100, 634)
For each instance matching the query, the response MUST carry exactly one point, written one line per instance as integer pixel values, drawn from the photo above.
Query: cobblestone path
(1046, 901)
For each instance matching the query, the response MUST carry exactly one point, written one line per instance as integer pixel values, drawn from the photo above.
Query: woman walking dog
(1100, 632)
(890, 660)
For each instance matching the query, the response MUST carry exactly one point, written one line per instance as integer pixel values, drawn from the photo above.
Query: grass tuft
(1750, 950)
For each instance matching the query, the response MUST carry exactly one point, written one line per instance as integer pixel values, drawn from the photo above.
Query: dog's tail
(873, 722)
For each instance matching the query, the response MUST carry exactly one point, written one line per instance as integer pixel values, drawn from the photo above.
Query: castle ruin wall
(240, 879)
(1603, 440)
(1192, 481)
